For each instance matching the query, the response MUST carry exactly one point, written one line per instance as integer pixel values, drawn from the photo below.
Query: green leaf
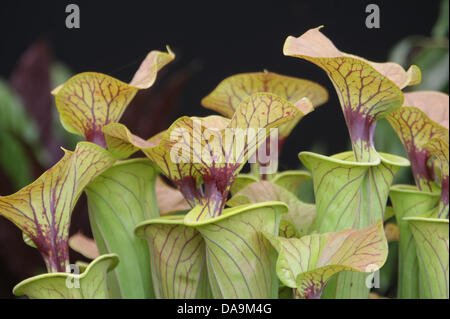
(240, 261)
(300, 215)
(14, 117)
(350, 194)
(431, 237)
(423, 116)
(27, 240)
(118, 200)
(203, 156)
(177, 255)
(408, 201)
(440, 29)
(227, 96)
(90, 284)
(42, 210)
(306, 264)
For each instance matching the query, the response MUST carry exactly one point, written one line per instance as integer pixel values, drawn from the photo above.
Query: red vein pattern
(178, 263)
(439, 147)
(92, 282)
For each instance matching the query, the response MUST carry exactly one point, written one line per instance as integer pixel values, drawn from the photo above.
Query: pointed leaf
(90, 284)
(367, 91)
(177, 255)
(307, 263)
(121, 142)
(118, 200)
(88, 101)
(42, 210)
(300, 215)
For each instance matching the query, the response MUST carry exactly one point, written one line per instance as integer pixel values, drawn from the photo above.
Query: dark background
(221, 37)
(215, 39)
